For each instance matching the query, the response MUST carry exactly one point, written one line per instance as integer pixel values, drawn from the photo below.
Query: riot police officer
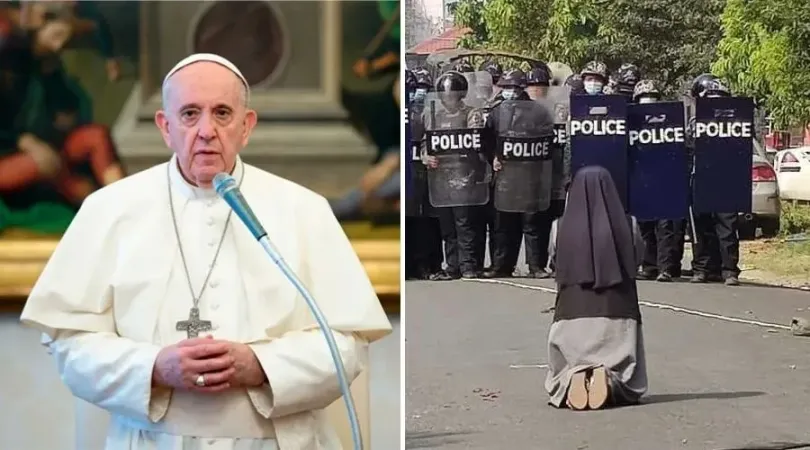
(594, 77)
(537, 81)
(423, 241)
(422, 84)
(625, 79)
(663, 239)
(518, 111)
(463, 66)
(715, 233)
(462, 227)
(410, 83)
(575, 84)
(495, 71)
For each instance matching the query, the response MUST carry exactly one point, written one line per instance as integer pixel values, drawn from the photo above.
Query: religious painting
(55, 142)
(369, 93)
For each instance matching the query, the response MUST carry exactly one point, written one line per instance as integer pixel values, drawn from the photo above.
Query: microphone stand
(345, 389)
(227, 188)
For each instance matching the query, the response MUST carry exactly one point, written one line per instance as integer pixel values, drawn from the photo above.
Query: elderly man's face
(205, 121)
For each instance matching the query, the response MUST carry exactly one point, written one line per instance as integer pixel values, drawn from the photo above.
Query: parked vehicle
(792, 167)
(766, 208)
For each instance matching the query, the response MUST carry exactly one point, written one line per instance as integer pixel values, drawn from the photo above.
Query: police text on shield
(526, 150)
(669, 135)
(724, 130)
(458, 142)
(602, 127)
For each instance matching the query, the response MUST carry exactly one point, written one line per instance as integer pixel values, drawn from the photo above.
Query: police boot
(664, 277)
(715, 278)
(445, 276)
(698, 277)
(541, 274)
(494, 273)
(647, 274)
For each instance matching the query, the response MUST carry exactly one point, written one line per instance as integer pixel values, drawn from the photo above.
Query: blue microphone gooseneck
(228, 189)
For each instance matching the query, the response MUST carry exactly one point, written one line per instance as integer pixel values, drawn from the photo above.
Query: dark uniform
(462, 227)
(663, 239)
(510, 227)
(716, 254)
(423, 241)
(538, 80)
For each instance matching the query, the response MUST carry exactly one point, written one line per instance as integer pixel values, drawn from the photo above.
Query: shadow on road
(667, 398)
(432, 440)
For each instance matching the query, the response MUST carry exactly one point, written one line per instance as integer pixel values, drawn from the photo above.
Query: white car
(793, 172)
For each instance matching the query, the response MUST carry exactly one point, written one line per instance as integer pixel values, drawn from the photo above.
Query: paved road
(714, 384)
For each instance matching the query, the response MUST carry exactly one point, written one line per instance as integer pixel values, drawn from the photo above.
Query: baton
(692, 196)
(692, 221)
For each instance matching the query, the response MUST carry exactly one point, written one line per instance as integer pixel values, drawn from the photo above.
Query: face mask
(509, 94)
(643, 100)
(419, 95)
(593, 87)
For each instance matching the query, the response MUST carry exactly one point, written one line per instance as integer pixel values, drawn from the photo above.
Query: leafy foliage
(671, 42)
(765, 53)
(762, 47)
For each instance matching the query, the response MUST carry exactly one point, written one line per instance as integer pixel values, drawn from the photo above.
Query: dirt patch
(776, 261)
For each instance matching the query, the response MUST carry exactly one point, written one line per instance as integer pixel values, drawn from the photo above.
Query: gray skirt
(581, 344)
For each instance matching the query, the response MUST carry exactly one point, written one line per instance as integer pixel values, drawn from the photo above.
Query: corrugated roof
(445, 41)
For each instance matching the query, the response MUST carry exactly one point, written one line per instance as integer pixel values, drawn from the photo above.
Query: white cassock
(111, 295)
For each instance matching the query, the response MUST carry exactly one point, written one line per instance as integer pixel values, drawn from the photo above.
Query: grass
(782, 260)
(795, 218)
(776, 261)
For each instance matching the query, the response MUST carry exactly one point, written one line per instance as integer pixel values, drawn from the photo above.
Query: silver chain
(196, 298)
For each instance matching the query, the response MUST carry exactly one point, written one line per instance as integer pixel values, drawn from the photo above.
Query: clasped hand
(224, 365)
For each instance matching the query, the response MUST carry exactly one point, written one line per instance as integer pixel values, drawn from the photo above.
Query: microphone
(226, 187)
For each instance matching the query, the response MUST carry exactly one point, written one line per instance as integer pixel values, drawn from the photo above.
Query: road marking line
(528, 366)
(665, 306)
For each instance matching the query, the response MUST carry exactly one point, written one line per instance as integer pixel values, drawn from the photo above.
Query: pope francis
(160, 307)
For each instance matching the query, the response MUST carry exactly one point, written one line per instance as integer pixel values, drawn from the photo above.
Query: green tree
(672, 42)
(765, 53)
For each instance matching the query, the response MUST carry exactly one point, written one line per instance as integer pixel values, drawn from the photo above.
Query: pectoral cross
(194, 325)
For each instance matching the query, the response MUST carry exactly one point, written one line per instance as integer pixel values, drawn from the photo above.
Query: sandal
(578, 392)
(598, 388)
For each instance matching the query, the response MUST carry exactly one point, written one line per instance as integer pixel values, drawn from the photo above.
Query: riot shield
(408, 147)
(524, 132)
(459, 172)
(417, 203)
(598, 134)
(658, 178)
(560, 97)
(479, 88)
(724, 147)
